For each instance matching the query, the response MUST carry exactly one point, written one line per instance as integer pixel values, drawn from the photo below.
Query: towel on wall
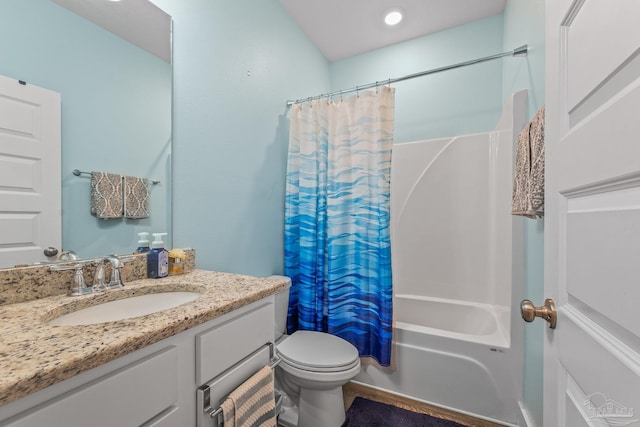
(253, 403)
(136, 197)
(106, 195)
(528, 179)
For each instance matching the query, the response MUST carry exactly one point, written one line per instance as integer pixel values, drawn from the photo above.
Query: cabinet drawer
(219, 348)
(127, 397)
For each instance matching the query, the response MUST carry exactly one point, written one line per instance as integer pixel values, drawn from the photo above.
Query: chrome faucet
(99, 283)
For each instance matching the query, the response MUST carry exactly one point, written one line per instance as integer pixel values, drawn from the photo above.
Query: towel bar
(78, 172)
(214, 413)
(216, 391)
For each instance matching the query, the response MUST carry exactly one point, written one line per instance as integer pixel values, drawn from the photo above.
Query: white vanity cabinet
(152, 387)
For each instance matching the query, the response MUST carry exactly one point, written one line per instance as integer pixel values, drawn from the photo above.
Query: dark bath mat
(367, 413)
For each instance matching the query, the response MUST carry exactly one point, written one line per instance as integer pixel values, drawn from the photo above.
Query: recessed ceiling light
(393, 16)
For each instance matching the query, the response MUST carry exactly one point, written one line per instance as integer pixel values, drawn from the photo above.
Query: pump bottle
(143, 243)
(157, 258)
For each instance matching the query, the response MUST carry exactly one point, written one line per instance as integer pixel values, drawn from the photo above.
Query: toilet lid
(318, 351)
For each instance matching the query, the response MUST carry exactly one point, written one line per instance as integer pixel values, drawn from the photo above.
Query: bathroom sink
(126, 308)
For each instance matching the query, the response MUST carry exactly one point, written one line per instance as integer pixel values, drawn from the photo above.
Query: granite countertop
(35, 355)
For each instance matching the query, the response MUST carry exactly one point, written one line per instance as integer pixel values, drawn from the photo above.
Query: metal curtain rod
(519, 51)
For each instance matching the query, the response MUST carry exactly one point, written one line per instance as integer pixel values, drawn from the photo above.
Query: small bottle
(143, 243)
(176, 261)
(157, 258)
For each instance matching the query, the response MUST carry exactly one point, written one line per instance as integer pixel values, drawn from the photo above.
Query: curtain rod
(519, 51)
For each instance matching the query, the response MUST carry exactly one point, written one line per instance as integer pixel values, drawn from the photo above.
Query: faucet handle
(79, 286)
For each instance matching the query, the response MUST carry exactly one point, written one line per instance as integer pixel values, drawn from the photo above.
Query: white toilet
(314, 367)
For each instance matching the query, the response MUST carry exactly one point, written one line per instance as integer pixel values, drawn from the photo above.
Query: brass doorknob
(548, 311)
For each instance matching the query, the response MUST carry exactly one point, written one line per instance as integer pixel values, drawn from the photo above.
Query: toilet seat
(318, 352)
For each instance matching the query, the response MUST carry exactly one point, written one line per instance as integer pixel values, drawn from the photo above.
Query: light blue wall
(116, 113)
(236, 63)
(524, 23)
(466, 100)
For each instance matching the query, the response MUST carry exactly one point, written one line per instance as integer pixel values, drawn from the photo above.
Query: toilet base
(288, 417)
(321, 408)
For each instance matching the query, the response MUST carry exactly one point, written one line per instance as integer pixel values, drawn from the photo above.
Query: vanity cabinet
(152, 387)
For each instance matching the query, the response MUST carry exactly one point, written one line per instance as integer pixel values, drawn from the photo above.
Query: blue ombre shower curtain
(337, 237)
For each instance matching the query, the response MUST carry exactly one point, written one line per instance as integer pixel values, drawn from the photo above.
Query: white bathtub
(450, 354)
(469, 321)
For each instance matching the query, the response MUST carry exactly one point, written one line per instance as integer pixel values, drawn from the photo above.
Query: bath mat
(367, 413)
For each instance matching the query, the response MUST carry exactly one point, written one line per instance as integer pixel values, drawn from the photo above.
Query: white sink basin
(125, 308)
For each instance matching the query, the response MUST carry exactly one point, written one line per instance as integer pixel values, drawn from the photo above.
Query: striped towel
(253, 403)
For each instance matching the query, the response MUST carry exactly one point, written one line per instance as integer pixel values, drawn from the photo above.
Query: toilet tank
(281, 308)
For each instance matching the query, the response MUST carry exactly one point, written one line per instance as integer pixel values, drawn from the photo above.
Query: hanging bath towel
(106, 195)
(136, 197)
(252, 404)
(528, 180)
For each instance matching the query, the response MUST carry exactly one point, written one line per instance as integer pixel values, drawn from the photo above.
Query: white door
(30, 214)
(592, 225)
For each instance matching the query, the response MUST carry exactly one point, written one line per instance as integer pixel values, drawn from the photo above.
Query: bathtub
(462, 320)
(451, 354)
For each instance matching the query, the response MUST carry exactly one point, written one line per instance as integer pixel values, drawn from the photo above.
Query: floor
(352, 390)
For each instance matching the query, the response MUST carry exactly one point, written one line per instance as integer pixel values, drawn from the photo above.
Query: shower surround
(457, 272)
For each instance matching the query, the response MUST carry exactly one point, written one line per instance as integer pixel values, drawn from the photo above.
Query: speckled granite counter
(34, 355)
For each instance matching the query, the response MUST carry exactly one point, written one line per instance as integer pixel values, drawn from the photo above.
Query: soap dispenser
(157, 258)
(143, 243)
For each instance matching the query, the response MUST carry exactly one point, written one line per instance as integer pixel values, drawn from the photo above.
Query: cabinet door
(129, 396)
(169, 418)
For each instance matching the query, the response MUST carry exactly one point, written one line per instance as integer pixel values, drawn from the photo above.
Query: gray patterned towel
(136, 197)
(106, 195)
(528, 179)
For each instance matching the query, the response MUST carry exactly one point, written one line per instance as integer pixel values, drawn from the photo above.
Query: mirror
(116, 104)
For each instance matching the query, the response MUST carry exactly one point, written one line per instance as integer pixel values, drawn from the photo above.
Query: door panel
(602, 264)
(585, 42)
(30, 213)
(592, 203)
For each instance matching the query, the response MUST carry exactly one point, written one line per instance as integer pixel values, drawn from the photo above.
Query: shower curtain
(337, 238)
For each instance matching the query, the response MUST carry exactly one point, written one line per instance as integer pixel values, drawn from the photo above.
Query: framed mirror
(114, 76)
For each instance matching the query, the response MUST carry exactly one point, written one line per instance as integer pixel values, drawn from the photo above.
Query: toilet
(314, 366)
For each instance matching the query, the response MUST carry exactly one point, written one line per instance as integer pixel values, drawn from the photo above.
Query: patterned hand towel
(252, 404)
(106, 195)
(136, 197)
(528, 180)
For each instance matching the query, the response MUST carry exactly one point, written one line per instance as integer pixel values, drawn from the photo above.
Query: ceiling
(138, 21)
(344, 28)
